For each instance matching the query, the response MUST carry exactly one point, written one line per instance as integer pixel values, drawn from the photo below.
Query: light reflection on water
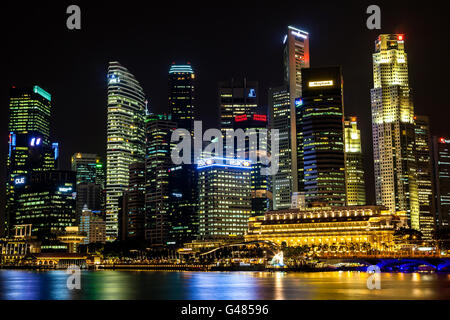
(31, 285)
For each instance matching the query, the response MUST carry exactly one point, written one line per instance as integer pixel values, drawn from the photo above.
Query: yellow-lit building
(14, 249)
(353, 228)
(393, 128)
(354, 170)
(72, 237)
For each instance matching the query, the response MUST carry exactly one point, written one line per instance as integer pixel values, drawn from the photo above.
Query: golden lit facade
(72, 237)
(125, 137)
(393, 129)
(356, 228)
(355, 184)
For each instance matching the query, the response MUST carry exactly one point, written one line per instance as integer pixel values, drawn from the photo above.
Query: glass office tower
(425, 177)
(157, 164)
(29, 146)
(90, 176)
(441, 162)
(261, 186)
(181, 95)
(320, 123)
(47, 202)
(280, 119)
(224, 198)
(125, 137)
(296, 58)
(237, 98)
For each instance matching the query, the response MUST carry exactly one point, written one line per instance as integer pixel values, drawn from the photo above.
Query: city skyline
(69, 146)
(247, 152)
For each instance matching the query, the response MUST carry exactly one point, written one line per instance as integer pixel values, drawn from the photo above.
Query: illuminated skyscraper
(425, 177)
(261, 186)
(182, 204)
(224, 198)
(441, 161)
(237, 98)
(125, 137)
(47, 202)
(280, 116)
(283, 110)
(393, 129)
(296, 57)
(354, 169)
(320, 125)
(181, 95)
(180, 221)
(157, 164)
(136, 202)
(30, 149)
(90, 174)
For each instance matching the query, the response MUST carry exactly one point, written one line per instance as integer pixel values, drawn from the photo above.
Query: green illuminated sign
(42, 92)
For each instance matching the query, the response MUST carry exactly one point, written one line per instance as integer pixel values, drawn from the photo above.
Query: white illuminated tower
(393, 129)
(125, 137)
(283, 117)
(296, 57)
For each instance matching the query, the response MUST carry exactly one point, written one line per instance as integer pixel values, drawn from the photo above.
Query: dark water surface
(30, 285)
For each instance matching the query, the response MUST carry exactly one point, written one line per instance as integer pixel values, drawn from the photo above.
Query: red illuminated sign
(259, 117)
(240, 118)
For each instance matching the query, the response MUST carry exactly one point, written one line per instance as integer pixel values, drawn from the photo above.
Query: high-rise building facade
(157, 164)
(30, 149)
(441, 161)
(427, 211)
(182, 204)
(354, 169)
(136, 202)
(261, 186)
(93, 226)
(89, 168)
(181, 220)
(224, 198)
(237, 98)
(125, 137)
(393, 129)
(46, 200)
(280, 119)
(320, 117)
(90, 176)
(181, 95)
(296, 58)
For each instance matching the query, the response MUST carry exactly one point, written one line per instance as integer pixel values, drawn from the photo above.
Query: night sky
(243, 39)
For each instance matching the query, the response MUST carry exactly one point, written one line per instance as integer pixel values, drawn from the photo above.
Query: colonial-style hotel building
(335, 226)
